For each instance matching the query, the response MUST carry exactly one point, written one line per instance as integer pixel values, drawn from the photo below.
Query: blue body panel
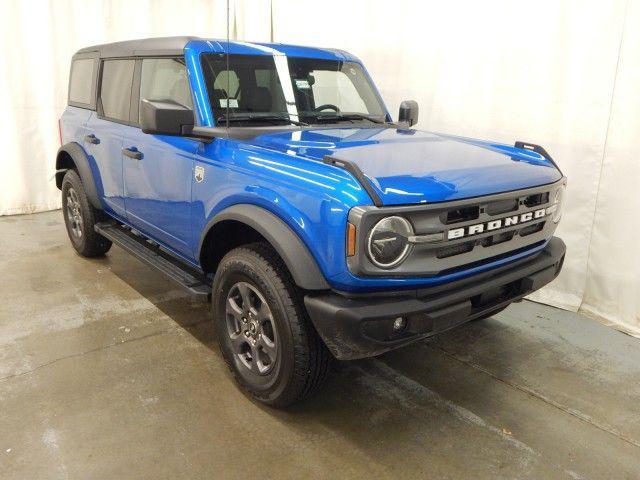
(421, 167)
(73, 124)
(314, 202)
(157, 188)
(106, 159)
(284, 173)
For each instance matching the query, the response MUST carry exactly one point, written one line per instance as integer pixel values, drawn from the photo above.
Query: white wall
(561, 73)
(37, 40)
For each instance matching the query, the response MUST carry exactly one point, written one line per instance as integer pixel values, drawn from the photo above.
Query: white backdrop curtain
(38, 38)
(563, 74)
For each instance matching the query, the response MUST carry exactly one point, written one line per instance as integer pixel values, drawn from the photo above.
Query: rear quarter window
(82, 82)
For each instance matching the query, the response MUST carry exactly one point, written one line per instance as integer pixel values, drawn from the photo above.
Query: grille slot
(504, 206)
(498, 238)
(528, 230)
(463, 214)
(458, 249)
(537, 199)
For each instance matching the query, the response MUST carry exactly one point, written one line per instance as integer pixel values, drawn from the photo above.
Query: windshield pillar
(282, 67)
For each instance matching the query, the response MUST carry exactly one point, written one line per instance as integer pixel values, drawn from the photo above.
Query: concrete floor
(107, 370)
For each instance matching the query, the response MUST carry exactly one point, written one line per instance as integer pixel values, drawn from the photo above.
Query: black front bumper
(361, 325)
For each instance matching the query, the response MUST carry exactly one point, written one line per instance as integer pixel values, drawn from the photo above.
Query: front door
(158, 169)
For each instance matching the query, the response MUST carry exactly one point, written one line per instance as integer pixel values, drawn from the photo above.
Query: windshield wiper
(347, 117)
(248, 117)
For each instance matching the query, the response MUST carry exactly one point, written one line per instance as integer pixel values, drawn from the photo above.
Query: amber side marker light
(351, 240)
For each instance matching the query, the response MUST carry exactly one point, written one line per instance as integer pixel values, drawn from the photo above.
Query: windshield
(276, 89)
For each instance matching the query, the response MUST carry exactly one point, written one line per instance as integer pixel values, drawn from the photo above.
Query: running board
(150, 253)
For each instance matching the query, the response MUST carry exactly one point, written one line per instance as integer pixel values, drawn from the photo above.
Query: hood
(411, 166)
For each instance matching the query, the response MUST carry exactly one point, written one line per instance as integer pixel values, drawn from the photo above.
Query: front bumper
(360, 325)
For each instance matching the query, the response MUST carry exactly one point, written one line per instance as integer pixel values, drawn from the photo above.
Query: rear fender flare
(81, 162)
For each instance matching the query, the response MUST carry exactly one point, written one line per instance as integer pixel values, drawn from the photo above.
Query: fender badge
(198, 173)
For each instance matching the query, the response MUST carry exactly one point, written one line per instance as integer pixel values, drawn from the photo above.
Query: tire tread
(312, 359)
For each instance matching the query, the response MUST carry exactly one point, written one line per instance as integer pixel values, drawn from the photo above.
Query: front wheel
(264, 334)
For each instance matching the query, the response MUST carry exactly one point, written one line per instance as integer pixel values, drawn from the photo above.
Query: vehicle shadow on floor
(371, 384)
(409, 408)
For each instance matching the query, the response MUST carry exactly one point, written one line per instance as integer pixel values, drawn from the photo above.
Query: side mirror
(165, 117)
(408, 112)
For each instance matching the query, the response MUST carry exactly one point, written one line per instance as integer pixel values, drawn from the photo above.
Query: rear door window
(81, 82)
(115, 90)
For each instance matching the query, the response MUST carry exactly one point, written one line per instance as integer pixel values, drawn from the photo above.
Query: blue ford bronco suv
(272, 180)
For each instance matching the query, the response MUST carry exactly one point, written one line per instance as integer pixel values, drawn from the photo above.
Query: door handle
(91, 138)
(132, 152)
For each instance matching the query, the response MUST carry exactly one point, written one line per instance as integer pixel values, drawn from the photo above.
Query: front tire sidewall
(267, 388)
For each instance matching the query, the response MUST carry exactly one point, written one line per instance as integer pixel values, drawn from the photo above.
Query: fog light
(399, 324)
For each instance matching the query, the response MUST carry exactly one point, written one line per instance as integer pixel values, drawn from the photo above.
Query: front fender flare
(81, 161)
(283, 239)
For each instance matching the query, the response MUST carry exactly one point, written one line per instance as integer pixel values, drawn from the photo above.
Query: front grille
(498, 238)
(485, 244)
(474, 231)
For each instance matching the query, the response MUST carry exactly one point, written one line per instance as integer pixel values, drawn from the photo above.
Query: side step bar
(193, 281)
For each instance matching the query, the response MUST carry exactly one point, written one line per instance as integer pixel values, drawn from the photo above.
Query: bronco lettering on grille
(496, 224)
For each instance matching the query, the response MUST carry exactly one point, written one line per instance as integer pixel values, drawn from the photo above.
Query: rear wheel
(80, 217)
(264, 334)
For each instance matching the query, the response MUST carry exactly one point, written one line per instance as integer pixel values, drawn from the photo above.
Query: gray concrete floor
(107, 370)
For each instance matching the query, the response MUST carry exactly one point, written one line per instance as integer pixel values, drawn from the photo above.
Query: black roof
(145, 46)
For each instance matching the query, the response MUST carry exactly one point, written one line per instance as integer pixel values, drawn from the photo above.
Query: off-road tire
(88, 242)
(303, 360)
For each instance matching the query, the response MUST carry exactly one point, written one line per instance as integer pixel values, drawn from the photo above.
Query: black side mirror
(408, 112)
(165, 117)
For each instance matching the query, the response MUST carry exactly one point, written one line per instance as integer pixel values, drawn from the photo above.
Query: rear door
(158, 169)
(82, 97)
(106, 128)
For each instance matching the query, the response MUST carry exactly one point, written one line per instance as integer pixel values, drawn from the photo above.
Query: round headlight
(558, 201)
(388, 244)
